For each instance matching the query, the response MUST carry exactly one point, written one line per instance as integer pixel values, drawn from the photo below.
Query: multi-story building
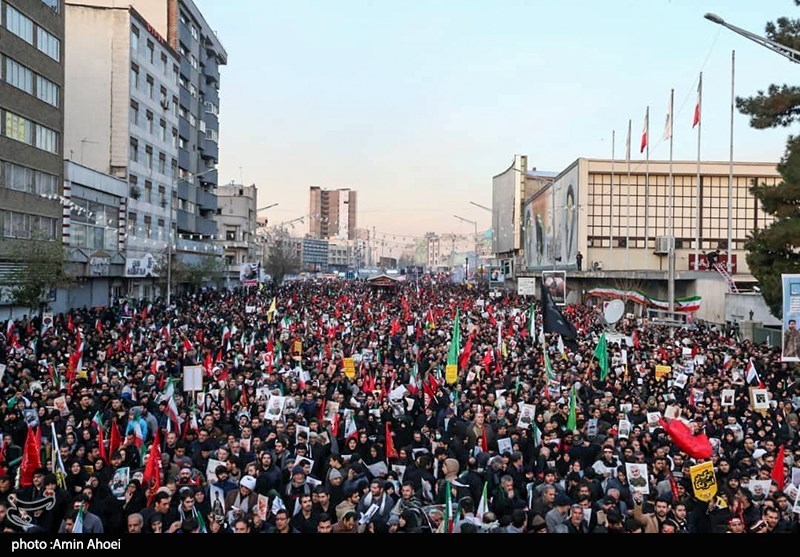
(122, 119)
(31, 124)
(340, 255)
(620, 226)
(315, 255)
(196, 105)
(236, 223)
(332, 213)
(445, 251)
(96, 237)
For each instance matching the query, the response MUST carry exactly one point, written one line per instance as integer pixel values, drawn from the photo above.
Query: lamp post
(786, 52)
(169, 233)
(475, 224)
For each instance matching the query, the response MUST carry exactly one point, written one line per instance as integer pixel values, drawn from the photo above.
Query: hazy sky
(416, 104)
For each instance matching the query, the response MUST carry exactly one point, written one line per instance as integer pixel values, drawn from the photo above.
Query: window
(148, 225)
(174, 137)
(212, 135)
(148, 157)
(150, 86)
(46, 139)
(47, 91)
(162, 126)
(164, 63)
(148, 191)
(52, 4)
(230, 234)
(19, 76)
(132, 224)
(193, 90)
(149, 118)
(162, 163)
(151, 51)
(193, 61)
(134, 77)
(134, 39)
(192, 119)
(194, 32)
(134, 151)
(48, 44)
(182, 143)
(134, 113)
(175, 74)
(18, 24)
(19, 128)
(162, 196)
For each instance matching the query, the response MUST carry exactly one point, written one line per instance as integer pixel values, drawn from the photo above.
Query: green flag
(601, 353)
(572, 419)
(451, 369)
(532, 323)
(548, 365)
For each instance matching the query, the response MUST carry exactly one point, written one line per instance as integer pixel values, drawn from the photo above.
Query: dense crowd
(327, 407)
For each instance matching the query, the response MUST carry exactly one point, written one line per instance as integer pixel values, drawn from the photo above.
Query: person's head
(792, 324)
(736, 525)
(135, 523)
(324, 525)
(661, 508)
(668, 527)
(306, 503)
(376, 488)
(161, 502)
(282, 520)
(771, 517)
(241, 526)
(576, 514)
(679, 510)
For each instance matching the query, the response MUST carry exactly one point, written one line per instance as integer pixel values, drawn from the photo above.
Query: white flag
(628, 144)
(668, 123)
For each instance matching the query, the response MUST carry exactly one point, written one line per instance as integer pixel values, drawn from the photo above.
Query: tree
(775, 250)
(282, 256)
(41, 268)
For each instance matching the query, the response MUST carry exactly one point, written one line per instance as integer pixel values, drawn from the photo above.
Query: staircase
(728, 278)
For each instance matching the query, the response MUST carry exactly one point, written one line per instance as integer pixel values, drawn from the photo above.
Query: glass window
(46, 139)
(134, 151)
(47, 91)
(19, 76)
(134, 38)
(18, 24)
(48, 44)
(134, 113)
(134, 77)
(19, 128)
(52, 4)
(150, 51)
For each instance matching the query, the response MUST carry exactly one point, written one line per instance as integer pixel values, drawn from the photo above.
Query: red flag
(391, 452)
(463, 361)
(696, 119)
(187, 344)
(696, 446)
(645, 130)
(395, 327)
(777, 468)
(115, 438)
(31, 457)
(151, 479)
(70, 324)
(636, 338)
(208, 363)
(484, 440)
(335, 426)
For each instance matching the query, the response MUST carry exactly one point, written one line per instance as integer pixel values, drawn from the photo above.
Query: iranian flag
(645, 130)
(548, 366)
(187, 344)
(696, 118)
(483, 504)
(573, 411)
(350, 429)
(172, 408)
(77, 527)
(531, 325)
(101, 446)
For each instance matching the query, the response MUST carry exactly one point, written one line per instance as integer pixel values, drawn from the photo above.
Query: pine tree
(775, 250)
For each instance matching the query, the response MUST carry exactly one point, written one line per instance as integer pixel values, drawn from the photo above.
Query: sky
(416, 104)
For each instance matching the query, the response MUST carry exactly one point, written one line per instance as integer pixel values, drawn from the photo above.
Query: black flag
(555, 322)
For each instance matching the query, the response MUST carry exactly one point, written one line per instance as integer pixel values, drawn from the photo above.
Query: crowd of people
(329, 407)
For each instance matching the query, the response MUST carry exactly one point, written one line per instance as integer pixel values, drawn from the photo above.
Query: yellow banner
(704, 481)
(297, 348)
(349, 367)
(662, 371)
(451, 373)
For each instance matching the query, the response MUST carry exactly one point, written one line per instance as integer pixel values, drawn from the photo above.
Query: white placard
(193, 378)
(526, 286)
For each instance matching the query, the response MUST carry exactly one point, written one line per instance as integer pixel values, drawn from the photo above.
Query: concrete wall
(739, 305)
(92, 293)
(713, 290)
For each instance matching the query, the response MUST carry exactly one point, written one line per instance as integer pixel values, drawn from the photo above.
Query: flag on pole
(391, 452)
(548, 365)
(531, 325)
(601, 353)
(668, 123)
(101, 446)
(448, 508)
(272, 309)
(31, 457)
(483, 504)
(60, 471)
(573, 411)
(455, 345)
(777, 473)
(151, 478)
(644, 130)
(628, 144)
(752, 375)
(350, 429)
(77, 526)
(697, 106)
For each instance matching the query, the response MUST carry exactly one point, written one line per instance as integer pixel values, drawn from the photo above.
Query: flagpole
(698, 194)
(628, 203)
(670, 224)
(611, 221)
(730, 170)
(647, 191)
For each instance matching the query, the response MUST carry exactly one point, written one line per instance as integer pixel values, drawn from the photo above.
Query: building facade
(122, 119)
(31, 125)
(96, 239)
(332, 213)
(236, 223)
(315, 255)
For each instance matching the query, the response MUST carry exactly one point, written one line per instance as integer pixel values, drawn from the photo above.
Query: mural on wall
(550, 221)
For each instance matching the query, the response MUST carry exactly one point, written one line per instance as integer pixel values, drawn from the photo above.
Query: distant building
(315, 255)
(332, 213)
(236, 223)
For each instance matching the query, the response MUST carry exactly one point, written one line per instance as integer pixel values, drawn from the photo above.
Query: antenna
(613, 312)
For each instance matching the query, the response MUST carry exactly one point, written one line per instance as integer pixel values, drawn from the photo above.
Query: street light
(484, 207)
(267, 207)
(169, 235)
(784, 51)
(475, 224)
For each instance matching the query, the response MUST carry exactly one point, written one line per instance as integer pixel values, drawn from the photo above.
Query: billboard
(721, 259)
(496, 276)
(556, 283)
(141, 266)
(249, 273)
(790, 345)
(526, 286)
(550, 221)
(507, 189)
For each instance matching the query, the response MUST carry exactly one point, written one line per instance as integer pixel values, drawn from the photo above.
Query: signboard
(721, 259)
(141, 267)
(249, 273)
(193, 378)
(556, 283)
(451, 373)
(790, 340)
(99, 266)
(662, 371)
(349, 367)
(496, 276)
(526, 286)
(704, 481)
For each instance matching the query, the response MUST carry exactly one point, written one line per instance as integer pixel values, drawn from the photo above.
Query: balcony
(210, 93)
(186, 69)
(206, 227)
(211, 69)
(211, 120)
(185, 220)
(206, 200)
(183, 189)
(194, 246)
(184, 160)
(210, 149)
(184, 129)
(185, 98)
(210, 176)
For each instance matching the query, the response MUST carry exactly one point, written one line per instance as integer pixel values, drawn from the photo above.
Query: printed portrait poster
(637, 477)
(217, 501)
(301, 429)
(527, 413)
(275, 408)
(119, 482)
(399, 470)
(759, 398)
(652, 421)
(624, 429)
(331, 409)
(790, 345)
(211, 469)
(61, 405)
(263, 505)
(796, 475)
(504, 445)
(759, 489)
(796, 507)
(728, 397)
